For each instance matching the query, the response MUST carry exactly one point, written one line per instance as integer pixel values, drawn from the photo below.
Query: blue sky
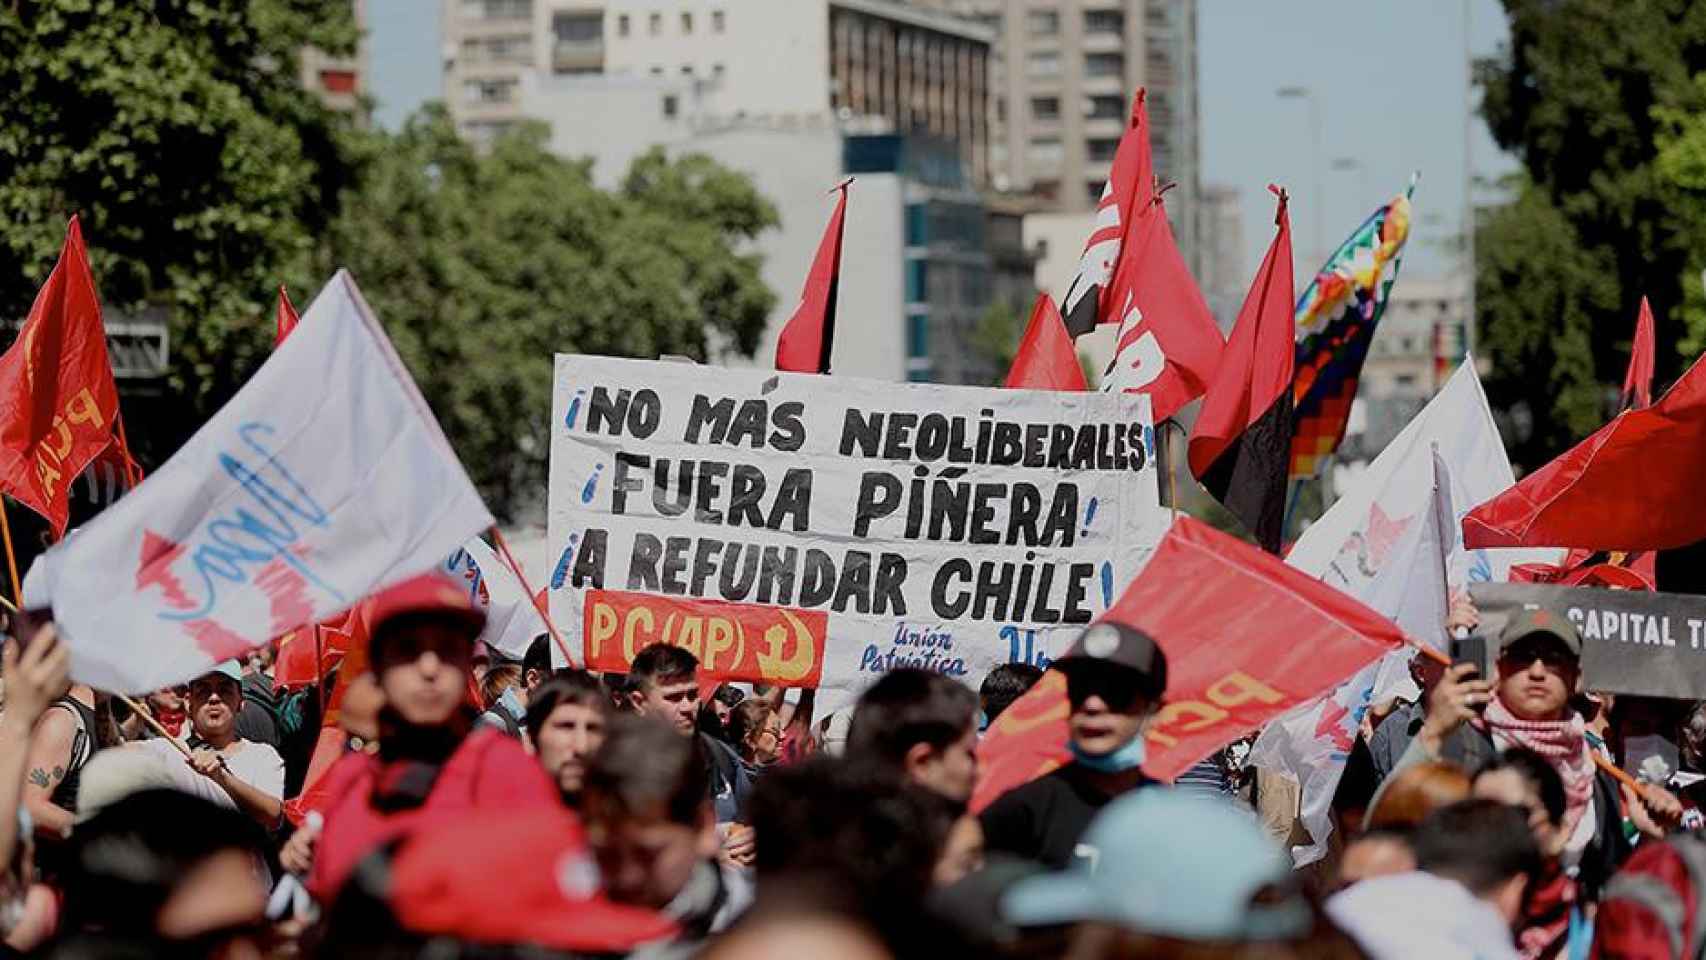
(1388, 77)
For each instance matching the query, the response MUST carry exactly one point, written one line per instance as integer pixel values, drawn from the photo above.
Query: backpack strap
(1656, 897)
(1692, 850)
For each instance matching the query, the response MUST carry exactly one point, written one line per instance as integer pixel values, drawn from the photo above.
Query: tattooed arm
(50, 754)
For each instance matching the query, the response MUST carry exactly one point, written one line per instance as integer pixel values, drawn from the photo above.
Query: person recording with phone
(1536, 670)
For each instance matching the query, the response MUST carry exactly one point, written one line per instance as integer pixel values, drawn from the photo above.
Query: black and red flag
(1241, 445)
(1125, 197)
(807, 340)
(1046, 359)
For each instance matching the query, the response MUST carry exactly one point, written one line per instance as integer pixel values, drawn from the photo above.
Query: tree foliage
(202, 170)
(1587, 95)
(483, 264)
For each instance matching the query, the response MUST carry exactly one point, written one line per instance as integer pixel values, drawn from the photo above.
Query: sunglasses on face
(1522, 654)
(1121, 689)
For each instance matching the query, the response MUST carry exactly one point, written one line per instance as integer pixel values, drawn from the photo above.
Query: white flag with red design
(288, 506)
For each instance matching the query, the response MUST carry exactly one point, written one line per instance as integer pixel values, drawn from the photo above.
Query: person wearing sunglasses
(432, 761)
(1115, 676)
(1471, 720)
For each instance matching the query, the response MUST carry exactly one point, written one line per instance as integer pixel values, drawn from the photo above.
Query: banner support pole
(544, 614)
(11, 557)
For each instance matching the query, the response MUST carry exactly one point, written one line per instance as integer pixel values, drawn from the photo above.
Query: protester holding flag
(429, 762)
(1115, 675)
(1470, 720)
(227, 769)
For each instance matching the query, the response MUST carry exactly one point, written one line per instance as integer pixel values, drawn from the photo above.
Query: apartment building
(874, 65)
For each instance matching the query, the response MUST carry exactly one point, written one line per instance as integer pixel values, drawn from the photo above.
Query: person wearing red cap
(431, 761)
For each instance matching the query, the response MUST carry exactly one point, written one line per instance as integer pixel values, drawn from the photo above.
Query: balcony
(577, 56)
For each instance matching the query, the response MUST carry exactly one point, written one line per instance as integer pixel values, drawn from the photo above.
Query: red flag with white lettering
(58, 402)
(1125, 197)
(1246, 637)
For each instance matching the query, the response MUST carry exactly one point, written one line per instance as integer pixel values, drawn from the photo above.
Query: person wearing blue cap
(233, 772)
(1115, 676)
(1174, 874)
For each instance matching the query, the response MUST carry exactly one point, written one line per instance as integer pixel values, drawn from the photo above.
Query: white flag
(512, 621)
(325, 478)
(1382, 544)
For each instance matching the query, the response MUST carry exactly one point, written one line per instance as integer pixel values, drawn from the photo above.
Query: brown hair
(1414, 792)
(748, 717)
(497, 680)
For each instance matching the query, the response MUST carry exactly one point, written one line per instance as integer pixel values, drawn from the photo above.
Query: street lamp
(1319, 205)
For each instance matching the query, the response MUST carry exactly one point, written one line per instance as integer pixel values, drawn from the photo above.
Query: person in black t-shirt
(1115, 675)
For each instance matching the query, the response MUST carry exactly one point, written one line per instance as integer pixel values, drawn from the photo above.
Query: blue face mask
(511, 702)
(982, 721)
(1128, 757)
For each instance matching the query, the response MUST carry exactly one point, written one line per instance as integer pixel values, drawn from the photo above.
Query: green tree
(202, 170)
(997, 336)
(482, 264)
(1582, 96)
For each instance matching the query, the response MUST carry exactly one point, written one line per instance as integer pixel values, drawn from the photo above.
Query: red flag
(808, 339)
(1241, 445)
(1246, 636)
(1168, 344)
(308, 653)
(286, 319)
(1633, 485)
(1046, 359)
(1125, 197)
(58, 402)
(1638, 382)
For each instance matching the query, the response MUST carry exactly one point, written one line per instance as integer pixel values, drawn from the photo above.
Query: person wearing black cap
(1115, 675)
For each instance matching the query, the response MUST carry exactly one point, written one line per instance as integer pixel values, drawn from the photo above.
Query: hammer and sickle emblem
(772, 665)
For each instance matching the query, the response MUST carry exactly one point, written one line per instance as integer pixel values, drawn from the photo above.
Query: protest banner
(282, 510)
(1633, 641)
(748, 515)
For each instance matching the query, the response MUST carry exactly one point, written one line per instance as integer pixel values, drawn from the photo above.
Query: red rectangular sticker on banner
(733, 641)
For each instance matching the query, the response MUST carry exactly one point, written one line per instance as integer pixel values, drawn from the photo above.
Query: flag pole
(11, 557)
(544, 614)
(124, 450)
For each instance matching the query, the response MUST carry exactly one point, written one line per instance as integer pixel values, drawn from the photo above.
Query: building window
(1043, 63)
(717, 70)
(578, 29)
(1042, 23)
(716, 21)
(1104, 64)
(1104, 21)
(686, 23)
(1104, 108)
(1000, 109)
(918, 335)
(497, 9)
(1093, 189)
(917, 281)
(337, 81)
(654, 24)
(687, 69)
(671, 106)
(1045, 152)
(1101, 149)
(495, 90)
(917, 225)
(622, 25)
(1045, 108)
(657, 71)
(1048, 190)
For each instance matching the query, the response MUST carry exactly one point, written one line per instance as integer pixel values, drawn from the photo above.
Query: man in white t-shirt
(224, 768)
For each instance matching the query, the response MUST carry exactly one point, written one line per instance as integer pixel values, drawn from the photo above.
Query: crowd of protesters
(490, 809)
